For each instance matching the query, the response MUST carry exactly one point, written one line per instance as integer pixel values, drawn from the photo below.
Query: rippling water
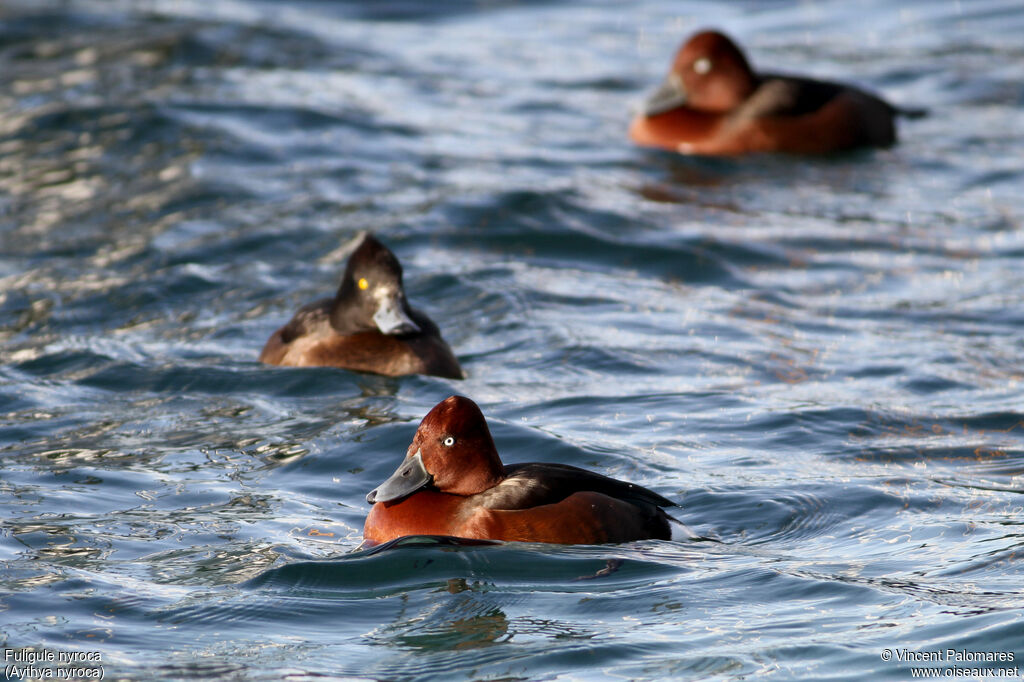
(821, 360)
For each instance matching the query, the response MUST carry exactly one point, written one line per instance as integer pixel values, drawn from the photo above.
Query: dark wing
(781, 95)
(533, 484)
(311, 319)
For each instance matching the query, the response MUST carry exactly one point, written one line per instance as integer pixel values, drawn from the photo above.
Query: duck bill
(410, 477)
(391, 317)
(669, 95)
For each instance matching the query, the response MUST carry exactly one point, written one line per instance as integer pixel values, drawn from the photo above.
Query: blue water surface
(821, 360)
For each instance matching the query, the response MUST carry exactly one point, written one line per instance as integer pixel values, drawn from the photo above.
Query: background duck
(712, 102)
(368, 326)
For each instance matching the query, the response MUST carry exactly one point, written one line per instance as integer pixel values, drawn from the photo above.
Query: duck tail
(679, 530)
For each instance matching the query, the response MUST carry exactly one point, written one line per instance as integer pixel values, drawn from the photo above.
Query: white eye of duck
(449, 441)
(702, 65)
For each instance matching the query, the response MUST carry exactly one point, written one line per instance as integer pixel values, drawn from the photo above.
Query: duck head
(709, 73)
(371, 295)
(452, 452)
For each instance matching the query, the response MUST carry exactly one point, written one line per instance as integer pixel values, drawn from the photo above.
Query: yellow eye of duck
(363, 284)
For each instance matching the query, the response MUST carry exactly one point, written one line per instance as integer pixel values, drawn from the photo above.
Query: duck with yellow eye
(368, 326)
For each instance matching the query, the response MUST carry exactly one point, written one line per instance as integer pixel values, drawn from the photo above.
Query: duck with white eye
(712, 102)
(452, 482)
